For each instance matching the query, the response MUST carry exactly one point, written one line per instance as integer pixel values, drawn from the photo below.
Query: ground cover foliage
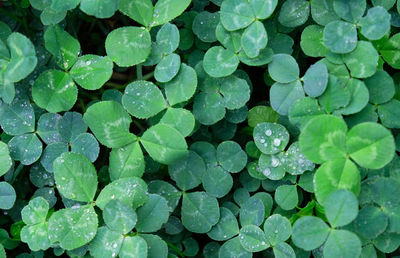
(179, 128)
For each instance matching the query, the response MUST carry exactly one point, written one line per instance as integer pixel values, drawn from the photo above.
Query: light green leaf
(180, 119)
(336, 95)
(359, 97)
(263, 9)
(236, 14)
(75, 177)
(270, 138)
(133, 246)
(126, 161)
(309, 232)
(322, 11)
(389, 112)
(50, 153)
(277, 229)
(342, 243)
(73, 227)
(253, 239)
(283, 68)
(204, 25)
(340, 37)
(166, 190)
(70, 126)
(132, 191)
(182, 87)
(59, 5)
(91, 71)
(341, 208)
(303, 111)
(376, 23)
(351, 10)
(188, 172)
(23, 57)
(284, 95)
(260, 114)
(283, 250)
(323, 138)
(312, 40)
(233, 248)
(106, 243)
(231, 156)
(17, 118)
(153, 214)
(26, 148)
(54, 91)
(52, 17)
(156, 246)
(62, 46)
(252, 212)
(294, 161)
(336, 174)
(128, 46)
(5, 159)
(387, 4)
(390, 51)
(226, 228)
(35, 233)
(143, 99)
(235, 91)
(199, 212)
(47, 128)
(371, 145)
(138, 10)
(315, 80)
(167, 10)
(381, 87)
(99, 8)
(7, 196)
(119, 217)
(220, 62)
(294, 13)
(110, 123)
(216, 181)
(167, 68)
(35, 212)
(363, 61)
(168, 38)
(254, 38)
(164, 144)
(286, 196)
(87, 145)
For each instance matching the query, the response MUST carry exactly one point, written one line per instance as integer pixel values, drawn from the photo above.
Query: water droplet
(266, 172)
(262, 140)
(275, 162)
(277, 142)
(268, 132)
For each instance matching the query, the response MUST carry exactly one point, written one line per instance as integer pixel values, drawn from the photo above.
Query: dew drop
(277, 142)
(268, 132)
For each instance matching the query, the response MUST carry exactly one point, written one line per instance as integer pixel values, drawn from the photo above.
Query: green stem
(16, 173)
(173, 247)
(139, 74)
(148, 76)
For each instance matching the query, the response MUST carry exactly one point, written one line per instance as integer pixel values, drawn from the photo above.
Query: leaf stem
(16, 173)
(148, 76)
(139, 73)
(173, 247)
